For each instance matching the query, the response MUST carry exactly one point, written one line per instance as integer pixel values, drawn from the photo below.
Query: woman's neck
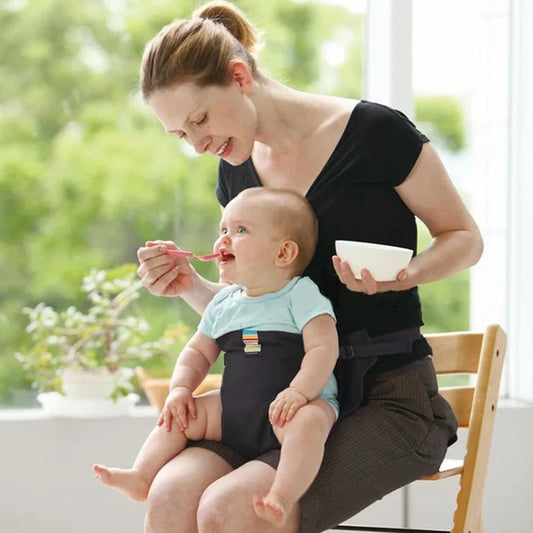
(286, 117)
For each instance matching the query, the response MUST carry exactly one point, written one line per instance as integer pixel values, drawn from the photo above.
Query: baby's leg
(161, 446)
(302, 448)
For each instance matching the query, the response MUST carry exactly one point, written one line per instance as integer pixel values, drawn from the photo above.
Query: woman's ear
(288, 252)
(241, 75)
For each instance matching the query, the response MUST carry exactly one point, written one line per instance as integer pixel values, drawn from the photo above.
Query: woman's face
(220, 120)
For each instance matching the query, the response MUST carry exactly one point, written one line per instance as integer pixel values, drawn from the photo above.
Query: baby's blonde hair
(293, 216)
(200, 49)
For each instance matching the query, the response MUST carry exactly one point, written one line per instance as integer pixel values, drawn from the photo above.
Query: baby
(280, 346)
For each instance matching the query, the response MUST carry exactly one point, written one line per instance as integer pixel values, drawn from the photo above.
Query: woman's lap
(400, 434)
(227, 503)
(177, 489)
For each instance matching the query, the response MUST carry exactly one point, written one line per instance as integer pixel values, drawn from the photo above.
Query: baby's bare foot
(128, 481)
(272, 508)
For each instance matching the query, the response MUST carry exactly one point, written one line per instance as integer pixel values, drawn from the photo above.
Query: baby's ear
(288, 252)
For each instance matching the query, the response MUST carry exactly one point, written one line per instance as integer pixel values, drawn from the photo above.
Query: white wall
(47, 483)
(45, 466)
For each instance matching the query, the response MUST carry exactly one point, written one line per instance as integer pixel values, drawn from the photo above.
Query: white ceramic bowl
(384, 262)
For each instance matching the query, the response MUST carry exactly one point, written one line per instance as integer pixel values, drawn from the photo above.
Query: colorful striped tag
(250, 338)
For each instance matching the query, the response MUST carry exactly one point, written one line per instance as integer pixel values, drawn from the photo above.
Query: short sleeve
(307, 302)
(208, 320)
(396, 143)
(232, 179)
(214, 312)
(221, 190)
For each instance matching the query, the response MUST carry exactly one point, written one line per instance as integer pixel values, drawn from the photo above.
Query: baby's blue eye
(241, 229)
(223, 231)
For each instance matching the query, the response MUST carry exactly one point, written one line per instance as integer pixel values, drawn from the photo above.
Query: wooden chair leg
(478, 528)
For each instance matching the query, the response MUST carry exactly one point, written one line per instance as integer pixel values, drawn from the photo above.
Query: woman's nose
(201, 144)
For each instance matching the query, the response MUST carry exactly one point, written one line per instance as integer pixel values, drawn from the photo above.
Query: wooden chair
(156, 389)
(474, 406)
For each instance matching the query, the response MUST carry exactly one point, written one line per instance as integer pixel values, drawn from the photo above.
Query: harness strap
(361, 344)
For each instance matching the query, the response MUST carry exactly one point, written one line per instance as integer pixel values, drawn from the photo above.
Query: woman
(368, 173)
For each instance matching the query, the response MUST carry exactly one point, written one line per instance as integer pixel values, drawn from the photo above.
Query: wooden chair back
(479, 356)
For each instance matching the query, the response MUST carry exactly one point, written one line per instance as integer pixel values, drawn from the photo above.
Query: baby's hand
(178, 406)
(284, 407)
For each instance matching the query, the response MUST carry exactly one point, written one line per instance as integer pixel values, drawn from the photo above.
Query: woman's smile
(225, 149)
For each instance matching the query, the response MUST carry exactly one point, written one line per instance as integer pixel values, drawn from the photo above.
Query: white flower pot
(87, 394)
(93, 382)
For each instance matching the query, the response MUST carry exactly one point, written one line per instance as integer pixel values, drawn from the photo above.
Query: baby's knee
(310, 420)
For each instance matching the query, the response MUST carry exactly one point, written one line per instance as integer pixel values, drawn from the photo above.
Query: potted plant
(87, 358)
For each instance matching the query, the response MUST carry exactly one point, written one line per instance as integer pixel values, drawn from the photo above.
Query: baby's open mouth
(224, 257)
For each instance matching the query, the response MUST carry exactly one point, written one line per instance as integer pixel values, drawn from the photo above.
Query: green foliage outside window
(441, 118)
(86, 172)
(445, 303)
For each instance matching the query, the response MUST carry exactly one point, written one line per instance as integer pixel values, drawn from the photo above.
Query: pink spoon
(184, 253)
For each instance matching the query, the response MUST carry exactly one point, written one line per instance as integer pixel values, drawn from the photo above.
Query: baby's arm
(191, 367)
(321, 352)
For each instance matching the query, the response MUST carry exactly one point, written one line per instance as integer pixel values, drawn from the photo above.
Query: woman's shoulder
(374, 114)
(335, 108)
(360, 117)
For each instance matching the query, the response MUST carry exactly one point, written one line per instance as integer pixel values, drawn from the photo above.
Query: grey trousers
(399, 434)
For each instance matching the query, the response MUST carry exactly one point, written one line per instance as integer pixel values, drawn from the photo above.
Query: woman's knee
(163, 493)
(176, 490)
(165, 498)
(212, 509)
(226, 509)
(226, 505)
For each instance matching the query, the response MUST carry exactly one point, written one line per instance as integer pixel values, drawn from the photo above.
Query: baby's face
(249, 243)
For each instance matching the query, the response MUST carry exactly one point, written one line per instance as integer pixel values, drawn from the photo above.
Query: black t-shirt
(354, 199)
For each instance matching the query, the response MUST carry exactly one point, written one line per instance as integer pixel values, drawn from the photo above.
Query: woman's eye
(202, 120)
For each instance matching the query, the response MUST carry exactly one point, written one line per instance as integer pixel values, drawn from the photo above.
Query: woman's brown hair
(199, 49)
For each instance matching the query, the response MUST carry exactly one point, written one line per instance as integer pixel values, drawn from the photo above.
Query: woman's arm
(165, 275)
(457, 243)
(430, 194)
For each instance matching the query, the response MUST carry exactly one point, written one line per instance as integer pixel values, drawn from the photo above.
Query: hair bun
(233, 19)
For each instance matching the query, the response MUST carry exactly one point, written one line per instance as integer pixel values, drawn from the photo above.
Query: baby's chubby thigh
(208, 422)
(316, 417)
